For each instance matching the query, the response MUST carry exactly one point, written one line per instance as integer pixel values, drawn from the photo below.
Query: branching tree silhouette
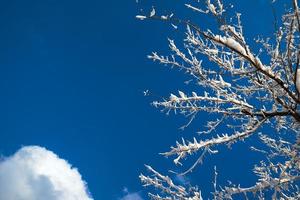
(245, 90)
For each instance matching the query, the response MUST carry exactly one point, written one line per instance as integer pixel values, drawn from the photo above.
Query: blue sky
(72, 76)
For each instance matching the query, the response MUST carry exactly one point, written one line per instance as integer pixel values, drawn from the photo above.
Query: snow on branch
(171, 190)
(191, 147)
(244, 90)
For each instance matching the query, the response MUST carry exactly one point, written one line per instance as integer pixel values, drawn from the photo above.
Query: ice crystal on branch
(245, 91)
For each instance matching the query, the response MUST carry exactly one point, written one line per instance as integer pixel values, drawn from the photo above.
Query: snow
(231, 43)
(212, 51)
(212, 8)
(140, 17)
(235, 45)
(298, 80)
(195, 9)
(182, 95)
(152, 12)
(174, 26)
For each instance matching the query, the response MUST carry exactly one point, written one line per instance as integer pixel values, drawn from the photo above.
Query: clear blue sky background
(71, 79)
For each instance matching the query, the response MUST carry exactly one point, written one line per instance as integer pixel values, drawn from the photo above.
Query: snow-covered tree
(249, 93)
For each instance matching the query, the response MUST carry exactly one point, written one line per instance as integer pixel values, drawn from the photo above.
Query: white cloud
(132, 196)
(35, 173)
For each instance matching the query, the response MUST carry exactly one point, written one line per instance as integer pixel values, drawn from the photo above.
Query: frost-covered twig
(243, 90)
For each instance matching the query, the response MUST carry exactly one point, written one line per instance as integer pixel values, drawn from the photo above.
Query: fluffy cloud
(132, 196)
(34, 173)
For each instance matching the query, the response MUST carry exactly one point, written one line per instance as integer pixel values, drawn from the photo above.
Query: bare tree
(245, 90)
